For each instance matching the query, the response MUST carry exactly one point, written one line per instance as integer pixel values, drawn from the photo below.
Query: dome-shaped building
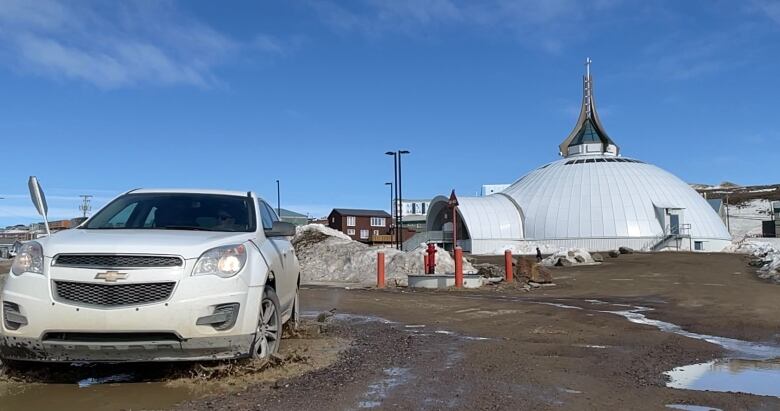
(593, 198)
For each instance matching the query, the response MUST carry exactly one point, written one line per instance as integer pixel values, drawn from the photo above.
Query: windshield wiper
(184, 227)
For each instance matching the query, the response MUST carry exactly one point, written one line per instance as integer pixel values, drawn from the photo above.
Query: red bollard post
(380, 270)
(458, 267)
(425, 263)
(508, 266)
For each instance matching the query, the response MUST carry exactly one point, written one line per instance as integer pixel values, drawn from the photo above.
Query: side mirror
(39, 200)
(281, 229)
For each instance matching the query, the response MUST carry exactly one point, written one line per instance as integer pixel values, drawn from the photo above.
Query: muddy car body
(155, 275)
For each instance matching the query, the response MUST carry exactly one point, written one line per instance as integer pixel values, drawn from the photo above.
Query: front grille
(112, 295)
(117, 261)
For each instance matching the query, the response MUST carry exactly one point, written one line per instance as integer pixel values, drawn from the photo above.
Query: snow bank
(329, 255)
(768, 257)
(574, 256)
(526, 249)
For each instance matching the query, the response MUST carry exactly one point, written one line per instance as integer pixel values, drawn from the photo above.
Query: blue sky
(101, 97)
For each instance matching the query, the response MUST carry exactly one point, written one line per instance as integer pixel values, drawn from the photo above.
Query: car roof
(190, 191)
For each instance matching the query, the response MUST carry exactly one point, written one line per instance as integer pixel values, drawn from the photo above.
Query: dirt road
(511, 350)
(569, 347)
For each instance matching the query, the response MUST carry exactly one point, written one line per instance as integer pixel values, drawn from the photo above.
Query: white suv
(155, 275)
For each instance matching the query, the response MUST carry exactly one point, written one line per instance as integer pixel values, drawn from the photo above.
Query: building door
(674, 224)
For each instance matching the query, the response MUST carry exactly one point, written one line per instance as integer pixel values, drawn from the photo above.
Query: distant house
(292, 217)
(367, 226)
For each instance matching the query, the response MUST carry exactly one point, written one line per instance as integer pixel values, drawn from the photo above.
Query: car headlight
(29, 259)
(225, 261)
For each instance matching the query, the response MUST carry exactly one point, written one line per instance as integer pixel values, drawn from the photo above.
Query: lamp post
(394, 211)
(391, 196)
(278, 200)
(400, 202)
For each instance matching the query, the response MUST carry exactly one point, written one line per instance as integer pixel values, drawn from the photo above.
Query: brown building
(367, 226)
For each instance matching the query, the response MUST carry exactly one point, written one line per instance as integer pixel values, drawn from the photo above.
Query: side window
(149, 222)
(120, 219)
(271, 211)
(265, 215)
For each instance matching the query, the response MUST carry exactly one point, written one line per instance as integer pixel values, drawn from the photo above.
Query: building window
(350, 221)
(363, 234)
(424, 206)
(698, 245)
(333, 219)
(376, 232)
(350, 231)
(414, 208)
(377, 221)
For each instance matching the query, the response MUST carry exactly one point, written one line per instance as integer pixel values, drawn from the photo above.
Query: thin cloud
(115, 45)
(545, 24)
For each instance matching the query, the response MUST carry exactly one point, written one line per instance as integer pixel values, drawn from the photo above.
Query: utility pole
(85, 206)
(728, 217)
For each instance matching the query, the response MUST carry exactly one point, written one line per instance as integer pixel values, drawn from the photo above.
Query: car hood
(188, 244)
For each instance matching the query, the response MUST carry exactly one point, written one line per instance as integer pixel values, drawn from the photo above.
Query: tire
(268, 334)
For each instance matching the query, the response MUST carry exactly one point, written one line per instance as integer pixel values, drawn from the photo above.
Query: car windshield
(176, 211)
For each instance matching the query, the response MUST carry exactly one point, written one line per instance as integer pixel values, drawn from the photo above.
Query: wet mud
(26, 386)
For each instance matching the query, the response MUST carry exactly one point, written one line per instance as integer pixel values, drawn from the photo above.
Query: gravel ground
(534, 356)
(503, 348)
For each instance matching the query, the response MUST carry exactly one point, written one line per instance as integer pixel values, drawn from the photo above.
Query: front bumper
(194, 349)
(175, 319)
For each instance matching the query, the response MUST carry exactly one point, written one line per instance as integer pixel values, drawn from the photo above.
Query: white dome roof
(604, 196)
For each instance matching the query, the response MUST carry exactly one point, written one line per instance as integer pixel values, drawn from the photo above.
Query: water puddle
(743, 349)
(378, 391)
(729, 375)
(687, 407)
(108, 397)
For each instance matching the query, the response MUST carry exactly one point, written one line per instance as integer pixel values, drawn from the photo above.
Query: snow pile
(766, 257)
(329, 255)
(573, 256)
(526, 249)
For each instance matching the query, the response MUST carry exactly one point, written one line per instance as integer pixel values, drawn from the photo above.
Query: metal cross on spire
(587, 66)
(588, 90)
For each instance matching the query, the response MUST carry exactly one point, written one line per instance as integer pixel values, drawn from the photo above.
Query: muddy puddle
(156, 386)
(751, 368)
(729, 375)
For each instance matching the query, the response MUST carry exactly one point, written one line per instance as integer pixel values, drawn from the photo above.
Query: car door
(286, 279)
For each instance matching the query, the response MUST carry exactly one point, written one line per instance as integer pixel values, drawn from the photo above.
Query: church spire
(588, 136)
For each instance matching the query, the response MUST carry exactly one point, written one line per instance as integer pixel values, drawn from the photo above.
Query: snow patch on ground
(767, 253)
(526, 249)
(329, 255)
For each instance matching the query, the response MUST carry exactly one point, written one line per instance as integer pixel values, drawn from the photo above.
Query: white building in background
(414, 207)
(592, 198)
(488, 189)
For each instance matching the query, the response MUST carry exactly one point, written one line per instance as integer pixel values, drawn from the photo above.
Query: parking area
(602, 338)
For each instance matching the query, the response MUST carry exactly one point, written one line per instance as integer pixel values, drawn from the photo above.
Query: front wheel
(269, 327)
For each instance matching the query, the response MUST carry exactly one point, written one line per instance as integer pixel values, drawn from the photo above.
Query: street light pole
(400, 202)
(278, 201)
(391, 197)
(395, 203)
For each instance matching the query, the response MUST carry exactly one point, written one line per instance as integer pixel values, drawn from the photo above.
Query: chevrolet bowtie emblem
(111, 276)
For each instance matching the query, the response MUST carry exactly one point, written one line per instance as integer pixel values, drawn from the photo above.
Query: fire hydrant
(431, 268)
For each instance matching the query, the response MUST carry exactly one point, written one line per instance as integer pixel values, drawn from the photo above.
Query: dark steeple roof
(588, 129)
